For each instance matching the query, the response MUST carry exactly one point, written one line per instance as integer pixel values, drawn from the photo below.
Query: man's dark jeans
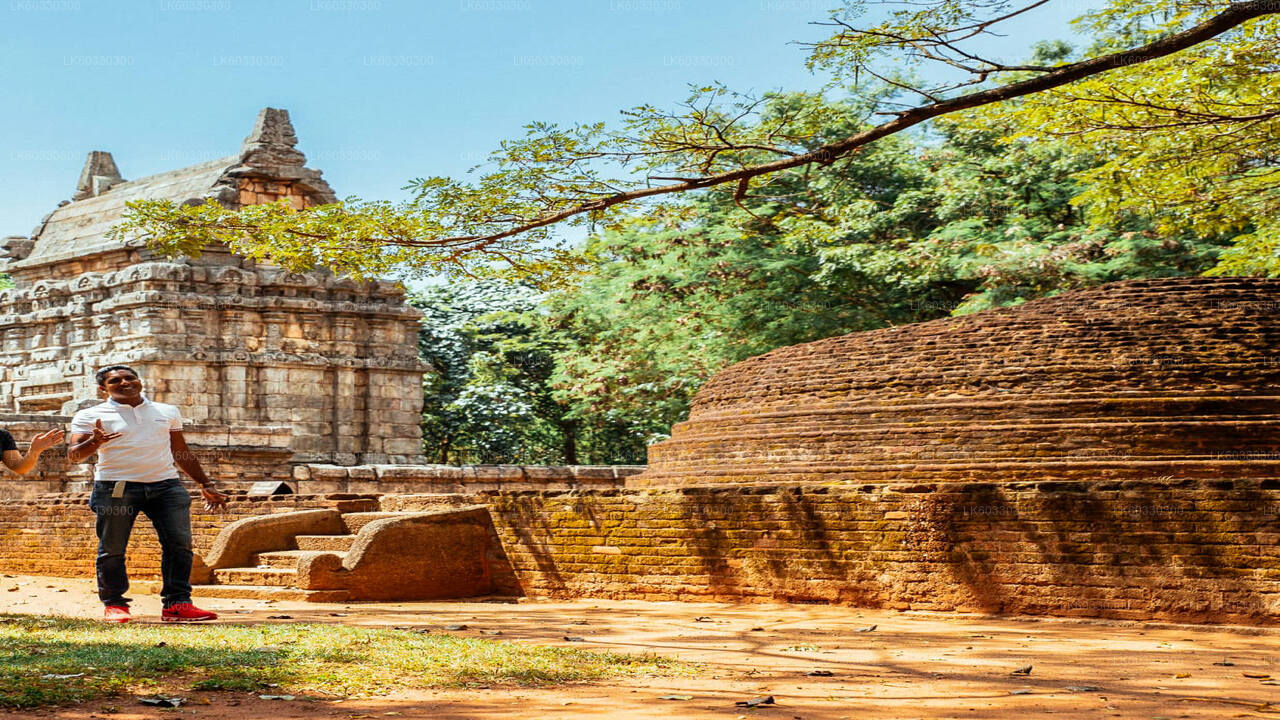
(168, 505)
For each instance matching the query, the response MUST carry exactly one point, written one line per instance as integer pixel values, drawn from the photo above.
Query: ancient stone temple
(318, 367)
(1107, 452)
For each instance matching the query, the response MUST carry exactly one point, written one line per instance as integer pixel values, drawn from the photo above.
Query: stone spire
(98, 176)
(271, 144)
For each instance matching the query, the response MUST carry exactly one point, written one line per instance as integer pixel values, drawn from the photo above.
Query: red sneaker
(117, 614)
(186, 612)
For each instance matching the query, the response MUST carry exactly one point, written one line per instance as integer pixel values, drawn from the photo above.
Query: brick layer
(1190, 550)
(1129, 380)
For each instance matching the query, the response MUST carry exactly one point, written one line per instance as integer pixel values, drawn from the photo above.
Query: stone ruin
(269, 367)
(1174, 377)
(1108, 452)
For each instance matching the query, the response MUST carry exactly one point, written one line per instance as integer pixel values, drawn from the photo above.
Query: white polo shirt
(141, 453)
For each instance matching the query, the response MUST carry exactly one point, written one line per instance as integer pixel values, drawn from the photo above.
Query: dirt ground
(911, 665)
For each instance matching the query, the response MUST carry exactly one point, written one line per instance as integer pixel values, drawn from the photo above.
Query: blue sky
(380, 91)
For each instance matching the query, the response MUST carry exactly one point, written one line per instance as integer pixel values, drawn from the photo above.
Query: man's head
(119, 382)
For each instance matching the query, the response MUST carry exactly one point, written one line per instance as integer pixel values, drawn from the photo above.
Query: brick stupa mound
(1140, 379)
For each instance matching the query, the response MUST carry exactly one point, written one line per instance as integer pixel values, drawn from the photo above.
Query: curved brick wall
(1137, 379)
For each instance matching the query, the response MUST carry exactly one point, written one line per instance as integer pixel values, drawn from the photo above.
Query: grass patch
(37, 654)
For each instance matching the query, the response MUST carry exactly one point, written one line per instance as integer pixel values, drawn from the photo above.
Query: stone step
(333, 543)
(287, 559)
(263, 592)
(272, 577)
(355, 521)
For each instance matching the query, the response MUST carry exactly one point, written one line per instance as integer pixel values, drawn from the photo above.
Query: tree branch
(1233, 16)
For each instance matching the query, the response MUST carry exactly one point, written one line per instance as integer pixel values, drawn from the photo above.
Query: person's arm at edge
(186, 460)
(23, 464)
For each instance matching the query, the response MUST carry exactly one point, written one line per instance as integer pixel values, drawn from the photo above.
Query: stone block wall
(54, 536)
(262, 190)
(1189, 550)
(463, 479)
(230, 344)
(1185, 550)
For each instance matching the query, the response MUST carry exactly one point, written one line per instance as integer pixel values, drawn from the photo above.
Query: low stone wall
(54, 535)
(411, 479)
(1185, 550)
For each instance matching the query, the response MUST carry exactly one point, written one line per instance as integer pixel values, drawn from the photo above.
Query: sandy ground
(912, 665)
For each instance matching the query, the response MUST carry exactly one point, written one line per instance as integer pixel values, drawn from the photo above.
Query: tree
(477, 407)
(1191, 142)
(585, 173)
(898, 233)
(490, 399)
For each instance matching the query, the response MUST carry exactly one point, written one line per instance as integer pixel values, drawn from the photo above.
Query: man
(137, 442)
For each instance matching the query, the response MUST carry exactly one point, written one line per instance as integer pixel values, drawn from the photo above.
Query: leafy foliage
(1189, 142)
(490, 399)
(899, 233)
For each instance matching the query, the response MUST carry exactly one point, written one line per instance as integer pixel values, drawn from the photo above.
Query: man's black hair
(101, 375)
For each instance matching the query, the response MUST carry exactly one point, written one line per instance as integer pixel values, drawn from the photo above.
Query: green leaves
(1190, 142)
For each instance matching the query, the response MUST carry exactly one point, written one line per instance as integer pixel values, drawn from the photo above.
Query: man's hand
(101, 436)
(83, 445)
(46, 440)
(213, 500)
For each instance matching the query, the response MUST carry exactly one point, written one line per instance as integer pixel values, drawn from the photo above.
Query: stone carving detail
(16, 247)
(1140, 379)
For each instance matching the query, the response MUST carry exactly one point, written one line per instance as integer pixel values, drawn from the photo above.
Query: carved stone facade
(235, 344)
